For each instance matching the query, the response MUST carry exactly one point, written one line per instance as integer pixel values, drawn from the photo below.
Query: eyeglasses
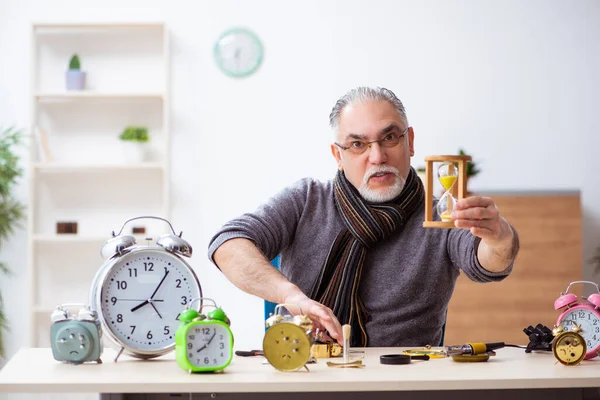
(360, 146)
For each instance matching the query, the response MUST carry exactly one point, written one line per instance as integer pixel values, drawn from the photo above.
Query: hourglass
(452, 175)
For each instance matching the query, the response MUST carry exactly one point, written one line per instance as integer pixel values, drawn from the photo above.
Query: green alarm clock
(203, 343)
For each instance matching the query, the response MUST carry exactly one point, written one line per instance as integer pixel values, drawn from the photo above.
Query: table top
(35, 370)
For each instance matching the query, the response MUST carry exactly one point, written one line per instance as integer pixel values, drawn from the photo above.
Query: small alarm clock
(140, 290)
(287, 342)
(568, 347)
(203, 342)
(76, 339)
(584, 313)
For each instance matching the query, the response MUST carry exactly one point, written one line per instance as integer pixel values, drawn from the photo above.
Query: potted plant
(11, 210)
(135, 142)
(75, 76)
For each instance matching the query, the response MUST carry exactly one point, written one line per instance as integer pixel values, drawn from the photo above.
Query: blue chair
(270, 307)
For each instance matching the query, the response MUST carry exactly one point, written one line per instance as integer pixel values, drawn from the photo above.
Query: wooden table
(510, 371)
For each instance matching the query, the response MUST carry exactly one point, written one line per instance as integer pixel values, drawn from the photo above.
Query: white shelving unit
(88, 178)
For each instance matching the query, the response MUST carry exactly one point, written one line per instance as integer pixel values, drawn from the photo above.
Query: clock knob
(116, 245)
(558, 330)
(189, 315)
(59, 314)
(219, 315)
(594, 299)
(565, 300)
(303, 322)
(87, 314)
(273, 320)
(175, 244)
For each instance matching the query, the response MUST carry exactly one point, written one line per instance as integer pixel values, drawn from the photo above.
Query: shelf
(80, 168)
(69, 238)
(112, 25)
(90, 95)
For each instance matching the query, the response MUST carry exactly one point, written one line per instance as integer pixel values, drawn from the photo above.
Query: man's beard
(381, 195)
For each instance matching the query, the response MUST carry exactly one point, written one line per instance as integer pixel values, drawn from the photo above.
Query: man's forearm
(245, 266)
(496, 256)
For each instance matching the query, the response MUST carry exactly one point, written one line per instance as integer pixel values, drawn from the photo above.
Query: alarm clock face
(141, 297)
(589, 322)
(208, 345)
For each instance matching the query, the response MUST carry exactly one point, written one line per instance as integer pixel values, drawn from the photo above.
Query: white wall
(514, 82)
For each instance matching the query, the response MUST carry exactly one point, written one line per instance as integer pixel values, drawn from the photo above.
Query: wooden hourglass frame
(461, 185)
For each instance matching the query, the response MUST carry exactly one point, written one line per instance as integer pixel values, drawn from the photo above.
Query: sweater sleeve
(271, 226)
(462, 249)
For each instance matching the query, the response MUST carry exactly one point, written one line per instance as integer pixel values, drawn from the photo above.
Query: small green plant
(11, 210)
(472, 168)
(74, 63)
(135, 134)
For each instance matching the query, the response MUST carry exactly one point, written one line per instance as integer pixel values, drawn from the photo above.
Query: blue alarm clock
(75, 339)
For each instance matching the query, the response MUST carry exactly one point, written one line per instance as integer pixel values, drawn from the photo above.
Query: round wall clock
(238, 52)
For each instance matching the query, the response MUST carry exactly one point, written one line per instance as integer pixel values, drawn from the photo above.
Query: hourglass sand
(452, 172)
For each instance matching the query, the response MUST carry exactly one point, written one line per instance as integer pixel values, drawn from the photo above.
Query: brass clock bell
(287, 342)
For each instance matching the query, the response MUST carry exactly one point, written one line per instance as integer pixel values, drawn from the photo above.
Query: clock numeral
(183, 300)
(205, 331)
(192, 337)
(220, 337)
(177, 317)
(189, 346)
(222, 355)
(132, 328)
(581, 314)
(221, 345)
(597, 329)
(122, 285)
(206, 360)
(132, 272)
(595, 322)
(214, 360)
(149, 266)
(167, 331)
(113, 300)
(589, 343)
(594, 338)
(149, 335)
(178, 286)
(119, 318)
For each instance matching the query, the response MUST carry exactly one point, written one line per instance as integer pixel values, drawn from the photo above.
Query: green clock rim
(253, 36)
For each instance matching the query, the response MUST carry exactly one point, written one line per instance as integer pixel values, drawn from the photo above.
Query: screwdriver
(474, 348)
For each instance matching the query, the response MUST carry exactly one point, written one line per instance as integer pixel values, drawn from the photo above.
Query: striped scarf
(337, 286)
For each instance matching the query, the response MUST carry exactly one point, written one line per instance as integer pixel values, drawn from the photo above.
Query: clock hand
(139, 306)
(137, 300)
(201, 348)
(213, 336)
(155, 309)
(159, 284)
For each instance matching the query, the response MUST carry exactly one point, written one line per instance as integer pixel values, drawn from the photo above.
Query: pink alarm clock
(585, 313)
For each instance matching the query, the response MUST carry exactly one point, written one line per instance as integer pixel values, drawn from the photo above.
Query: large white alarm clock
(140, 290)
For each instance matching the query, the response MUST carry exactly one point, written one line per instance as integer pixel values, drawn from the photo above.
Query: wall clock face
(238, 52)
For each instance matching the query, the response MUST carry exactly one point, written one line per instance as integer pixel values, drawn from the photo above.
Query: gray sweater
(407, 281)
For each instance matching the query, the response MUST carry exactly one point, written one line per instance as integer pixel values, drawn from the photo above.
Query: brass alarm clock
(568, 346)
(287, 342)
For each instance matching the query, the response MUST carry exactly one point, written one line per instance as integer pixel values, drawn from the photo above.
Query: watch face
(208, 345)
(142, 296)
(588, 321)
(238, 52)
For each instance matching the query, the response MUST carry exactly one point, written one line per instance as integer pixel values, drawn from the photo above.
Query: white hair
(362, 94)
